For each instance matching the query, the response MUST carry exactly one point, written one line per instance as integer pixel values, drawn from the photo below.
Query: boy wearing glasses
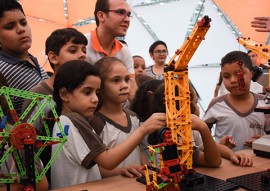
(112, 20)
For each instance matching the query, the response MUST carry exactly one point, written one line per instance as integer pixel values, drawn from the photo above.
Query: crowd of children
(104, 138)
(76, 101)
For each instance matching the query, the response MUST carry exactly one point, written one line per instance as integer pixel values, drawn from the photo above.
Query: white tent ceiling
(167, 20)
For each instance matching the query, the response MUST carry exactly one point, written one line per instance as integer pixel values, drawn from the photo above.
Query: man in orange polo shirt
(112, 20)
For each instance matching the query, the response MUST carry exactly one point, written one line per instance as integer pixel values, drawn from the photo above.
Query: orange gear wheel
(22, 134)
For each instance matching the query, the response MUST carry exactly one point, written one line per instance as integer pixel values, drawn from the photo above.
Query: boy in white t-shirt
(233, 113)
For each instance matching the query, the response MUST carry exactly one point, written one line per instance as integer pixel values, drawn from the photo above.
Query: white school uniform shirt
(229, 121)
(74, 164)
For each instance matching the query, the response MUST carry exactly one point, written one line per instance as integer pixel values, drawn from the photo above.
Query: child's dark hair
(140, 79)
(237, 56)
(9, 5)
(150, 98)
(144, 99)
(158, 101)
(60, 37)
(71, 75)
(220, 79)
(155, 44)
(249, 51)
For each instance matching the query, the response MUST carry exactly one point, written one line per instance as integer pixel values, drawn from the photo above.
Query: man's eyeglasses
(121, 12)
(160, 52)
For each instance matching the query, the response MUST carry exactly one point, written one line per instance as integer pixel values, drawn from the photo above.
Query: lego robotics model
(261, 50)
(175, 141)
(259, 75)
(19, 139)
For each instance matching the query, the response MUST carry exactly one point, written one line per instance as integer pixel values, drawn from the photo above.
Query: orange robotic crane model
(264, 52)
(259, 49)
(175, 146)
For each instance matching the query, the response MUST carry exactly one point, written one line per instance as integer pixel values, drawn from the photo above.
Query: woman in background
(158, 52)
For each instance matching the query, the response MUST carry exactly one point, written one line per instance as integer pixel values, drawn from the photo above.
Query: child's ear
(63, 93)
(52, 57)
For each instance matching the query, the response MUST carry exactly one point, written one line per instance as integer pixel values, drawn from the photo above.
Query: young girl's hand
(154, 122)
(228, 141)
(250, 141)
(131, 171)
(241, 159)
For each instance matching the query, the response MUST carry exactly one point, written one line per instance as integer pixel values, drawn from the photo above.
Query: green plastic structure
(15, 137)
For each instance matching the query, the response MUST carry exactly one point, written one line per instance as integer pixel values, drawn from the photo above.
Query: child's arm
(216, 90)
(129, 171)
(211, 156)
(236, 158)
(135, 169)
(111, 158)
